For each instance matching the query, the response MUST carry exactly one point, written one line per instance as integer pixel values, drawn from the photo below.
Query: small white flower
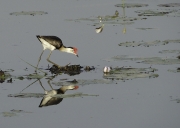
(107, 69)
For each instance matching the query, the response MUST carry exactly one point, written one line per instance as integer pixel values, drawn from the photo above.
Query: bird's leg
(51, 61)
(39, 60)
(41, 85)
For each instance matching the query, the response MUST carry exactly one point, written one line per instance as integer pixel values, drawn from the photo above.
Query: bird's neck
(65, 88)
(65, 49)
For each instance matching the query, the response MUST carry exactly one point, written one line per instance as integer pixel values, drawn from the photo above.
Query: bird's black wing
(53, 40)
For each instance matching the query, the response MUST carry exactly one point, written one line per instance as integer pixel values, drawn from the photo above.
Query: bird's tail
(38, 36)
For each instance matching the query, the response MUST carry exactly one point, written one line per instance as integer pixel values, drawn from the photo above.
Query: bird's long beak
(77, 55)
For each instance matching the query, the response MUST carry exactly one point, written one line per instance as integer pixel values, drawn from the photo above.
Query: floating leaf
(141, 43)
(175, 71)
(146, 60)
(170, 51)
(130, 73)
(109, 19)
(129, 76)
(147, 44)
(172, 41)
(9, 114)
(158, 12)
(13, 113)
(169, 5)
(131, 5)
(32, 13)
(177, 100)
(146, 28)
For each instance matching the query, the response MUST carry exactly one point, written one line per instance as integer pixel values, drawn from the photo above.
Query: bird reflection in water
(49, 100)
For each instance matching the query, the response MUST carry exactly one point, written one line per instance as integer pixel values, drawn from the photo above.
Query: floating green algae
(32, 13)
(131, 5)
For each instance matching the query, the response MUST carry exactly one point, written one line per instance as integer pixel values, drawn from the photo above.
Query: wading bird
(54, 43)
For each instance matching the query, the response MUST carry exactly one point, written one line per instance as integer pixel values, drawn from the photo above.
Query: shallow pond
(139, 40)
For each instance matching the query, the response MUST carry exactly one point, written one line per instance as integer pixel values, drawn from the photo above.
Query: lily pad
(13, 113)
(145, 28)
(158, 12)
(141, 43)
(109, 19)
(147, 44)
(84, 82)
(146, 60)
(130, 73)
(169, 5)
(131, 5)
(175, 71)
(171, 41)
(32, 13)
(170, 51)
(9, 114)
(177, 100)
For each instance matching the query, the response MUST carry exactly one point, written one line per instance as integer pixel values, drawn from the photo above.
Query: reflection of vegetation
(148, 60)
(130, 73)
(131, 5)
(32, 13)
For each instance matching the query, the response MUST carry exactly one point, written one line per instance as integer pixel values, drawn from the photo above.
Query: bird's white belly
(46, 45)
